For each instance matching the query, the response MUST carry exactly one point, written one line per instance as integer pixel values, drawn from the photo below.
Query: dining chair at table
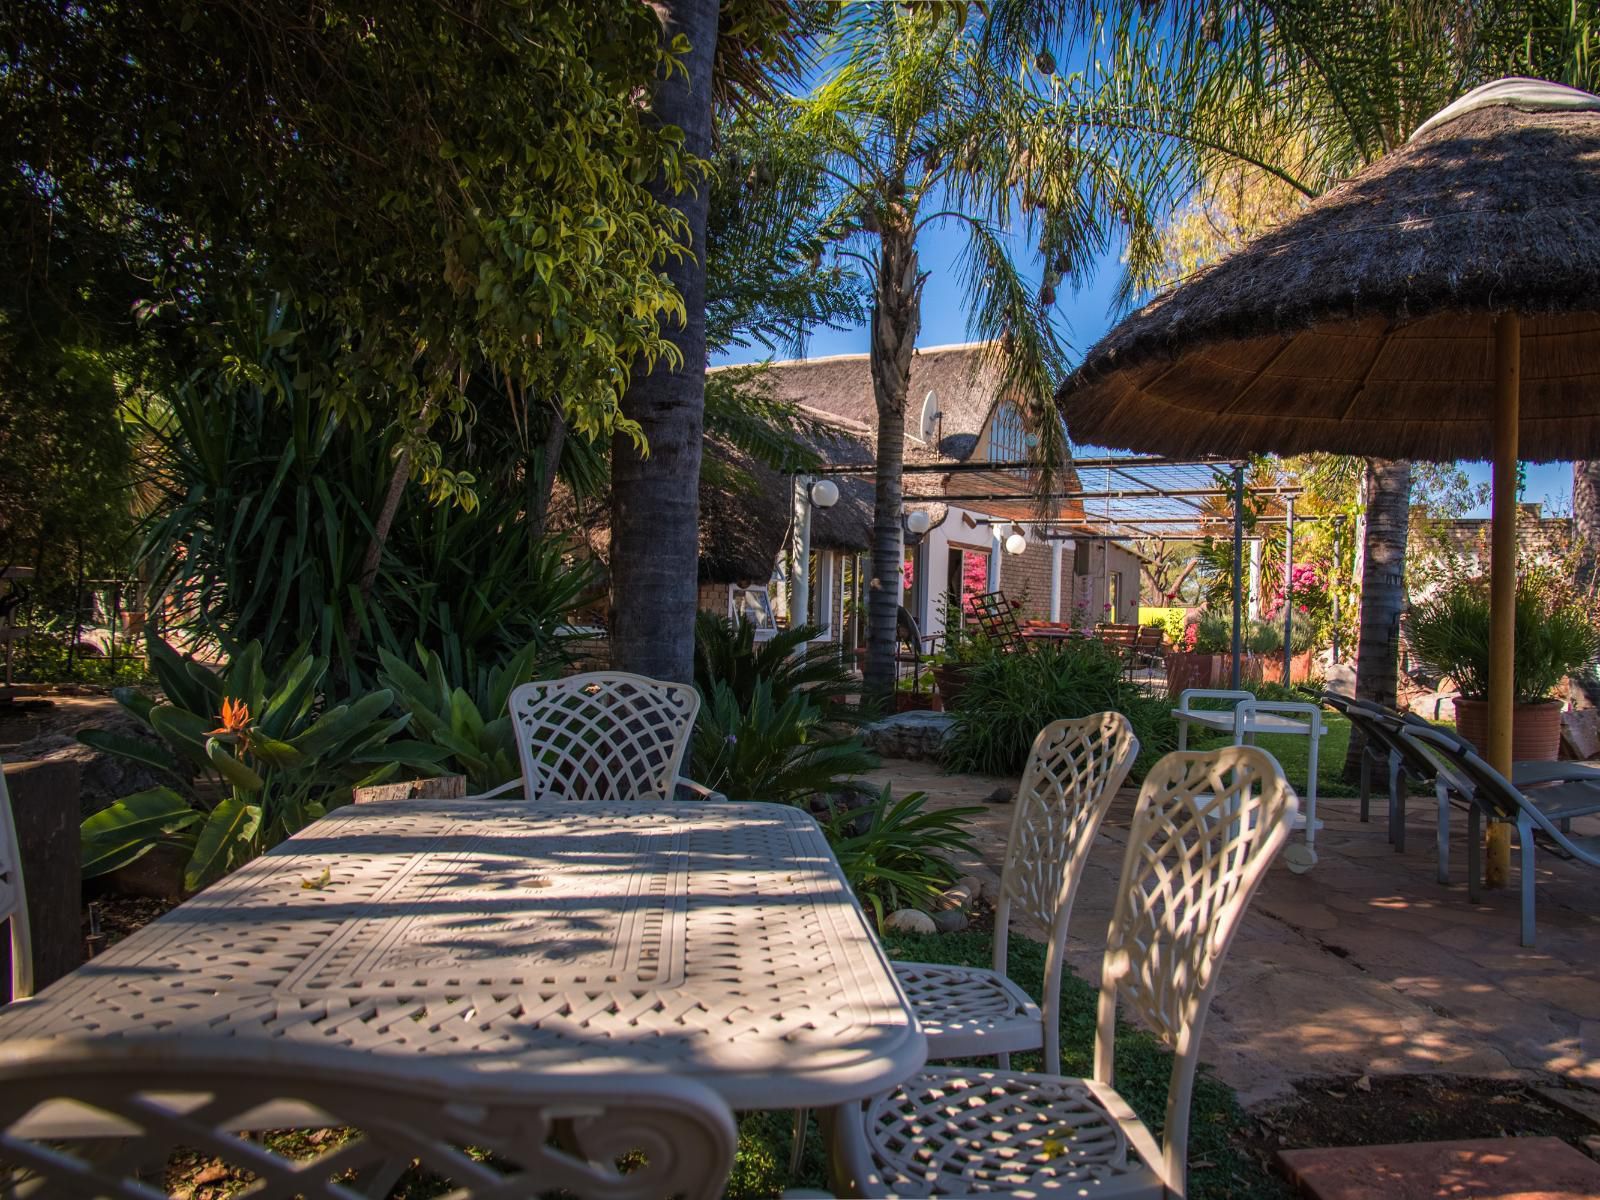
(14, 899)
(141, 1099)
(603, 735)
(1205, 830)
(1072, 776)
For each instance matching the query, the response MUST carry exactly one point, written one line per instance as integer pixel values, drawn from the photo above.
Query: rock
(951, 920)
(909, 920)
(958, 897)
(1580, 734)
(1434, 706)
(1340, 679)
(1001, 795)
(915, 735)
(105, 777)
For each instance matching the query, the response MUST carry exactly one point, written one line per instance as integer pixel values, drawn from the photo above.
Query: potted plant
(960, 651)
(1200, 659)
(1556, 635)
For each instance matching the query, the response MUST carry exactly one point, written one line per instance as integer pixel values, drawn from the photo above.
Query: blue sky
(1084, 317)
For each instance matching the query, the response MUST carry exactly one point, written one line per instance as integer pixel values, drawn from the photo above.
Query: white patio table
(712, 940)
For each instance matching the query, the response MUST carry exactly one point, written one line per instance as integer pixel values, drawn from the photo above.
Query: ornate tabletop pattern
(714, 940)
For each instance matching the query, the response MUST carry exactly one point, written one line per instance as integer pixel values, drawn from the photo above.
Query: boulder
(951, 920)
(104, 777)
(915, 735)
(1580, 734)
(1340, 679)
(909, 920)
(1434, 706)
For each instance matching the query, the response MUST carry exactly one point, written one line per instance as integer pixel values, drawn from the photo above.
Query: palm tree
(935, 115)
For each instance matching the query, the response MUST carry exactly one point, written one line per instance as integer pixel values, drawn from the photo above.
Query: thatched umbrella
(1444, 303)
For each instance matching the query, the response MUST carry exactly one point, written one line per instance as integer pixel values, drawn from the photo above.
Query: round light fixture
(917, 522)
(824, 493)
(1016, 544)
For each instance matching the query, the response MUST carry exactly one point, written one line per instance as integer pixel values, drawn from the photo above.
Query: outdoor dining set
(571, 986)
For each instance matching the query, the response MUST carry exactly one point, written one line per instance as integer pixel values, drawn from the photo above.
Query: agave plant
(269, 756)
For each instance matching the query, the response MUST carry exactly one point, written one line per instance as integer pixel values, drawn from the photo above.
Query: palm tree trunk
(896, 320)
(655, 502)
(1388, 492)
(1586, 524)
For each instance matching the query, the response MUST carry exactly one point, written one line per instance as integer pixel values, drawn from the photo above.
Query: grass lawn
(1294, 754)
(1217, 1166)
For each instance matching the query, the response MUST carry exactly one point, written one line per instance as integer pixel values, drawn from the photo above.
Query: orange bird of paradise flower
(235, 720)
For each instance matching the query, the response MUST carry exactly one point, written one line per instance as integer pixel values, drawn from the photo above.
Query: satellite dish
(928, 427)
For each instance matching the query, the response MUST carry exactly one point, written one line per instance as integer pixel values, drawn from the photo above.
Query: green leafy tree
(435, 190)
(946, 115)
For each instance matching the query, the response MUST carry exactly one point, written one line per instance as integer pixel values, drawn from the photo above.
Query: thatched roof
(742, 529)
(839, 388)
(1365, 324)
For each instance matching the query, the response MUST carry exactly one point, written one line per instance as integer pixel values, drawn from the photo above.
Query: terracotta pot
(922, 702)
(1270, 667)
(1535, 728)
(1188, 670)
(952, 680)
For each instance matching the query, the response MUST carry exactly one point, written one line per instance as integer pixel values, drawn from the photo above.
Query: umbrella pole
(1503, 578)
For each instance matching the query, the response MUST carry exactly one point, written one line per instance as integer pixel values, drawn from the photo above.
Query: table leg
(1183, 734)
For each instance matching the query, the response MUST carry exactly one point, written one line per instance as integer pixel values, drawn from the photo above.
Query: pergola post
(997, 547)
(1288, 590)
(1255, 578)
(1055, 579)
(800, 576)
(1503, 578)
(1238, 567)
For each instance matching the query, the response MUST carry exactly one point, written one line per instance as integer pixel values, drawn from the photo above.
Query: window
(1008, 440)
(753, 604)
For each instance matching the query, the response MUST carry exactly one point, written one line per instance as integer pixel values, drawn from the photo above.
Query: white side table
(1250, 718)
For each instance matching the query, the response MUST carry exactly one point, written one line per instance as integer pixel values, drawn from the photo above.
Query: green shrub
(474, 728)
(1010, 697)
(1556, 634)
(763, 749)
(895, 853)
(1214, 634)
(271, 760)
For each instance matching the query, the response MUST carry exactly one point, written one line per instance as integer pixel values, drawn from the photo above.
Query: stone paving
(1365, 963)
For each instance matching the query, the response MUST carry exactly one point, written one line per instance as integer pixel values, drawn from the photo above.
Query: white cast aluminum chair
(1073, 773)
(13, 899)
(548, 1134)
(1206, 827)
(605, 735)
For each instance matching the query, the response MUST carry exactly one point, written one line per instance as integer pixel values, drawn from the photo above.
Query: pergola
(1118, 497)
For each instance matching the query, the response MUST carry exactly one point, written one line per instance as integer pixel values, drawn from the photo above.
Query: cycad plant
(726, 653)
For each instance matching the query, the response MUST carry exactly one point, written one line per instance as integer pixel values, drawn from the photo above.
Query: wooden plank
(440, 787)
(45, 804)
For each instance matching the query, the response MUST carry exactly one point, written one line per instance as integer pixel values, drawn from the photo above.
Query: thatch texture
(742, 530)
(1365, 324)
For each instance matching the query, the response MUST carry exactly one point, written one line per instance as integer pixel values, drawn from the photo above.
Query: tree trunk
(1388, 492)
(896, 319)
(655, 502)
(539, 475)
(1586, 524)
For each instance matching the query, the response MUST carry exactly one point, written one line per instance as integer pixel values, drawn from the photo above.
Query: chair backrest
(907, 633)
(606, 735)
(1205, 829)
(545, 1133)
(14, 899)
(997, 620)
(1458, 760)
(1072, 775)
